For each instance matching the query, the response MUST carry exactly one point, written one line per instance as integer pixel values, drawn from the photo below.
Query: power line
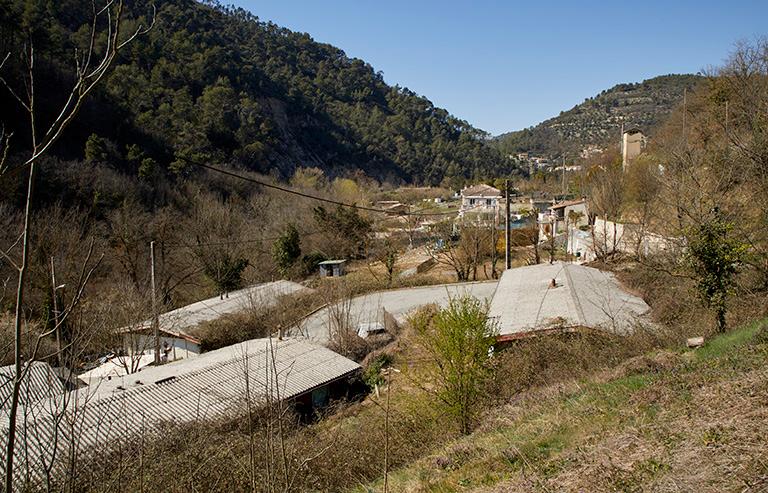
(12, 170)
(233, 242)
(306, 195)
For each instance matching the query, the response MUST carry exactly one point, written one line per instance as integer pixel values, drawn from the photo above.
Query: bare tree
(218, 229)
(572, 220)
(77, 342)
(91, 66)
(737, 101)
(461, 247)
(605, 182)
(342, 324)
(532, 232)
(550, 231)
(386, 252)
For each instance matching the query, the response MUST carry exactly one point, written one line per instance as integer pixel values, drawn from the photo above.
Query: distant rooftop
(568, 203)
(481, 190)
(332, 262)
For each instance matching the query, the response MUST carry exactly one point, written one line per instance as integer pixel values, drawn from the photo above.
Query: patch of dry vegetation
(663, 422)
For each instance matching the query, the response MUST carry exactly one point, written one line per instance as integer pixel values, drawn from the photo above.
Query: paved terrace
(582, 297)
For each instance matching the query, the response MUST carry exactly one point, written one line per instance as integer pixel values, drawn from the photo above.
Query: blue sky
(507, 65)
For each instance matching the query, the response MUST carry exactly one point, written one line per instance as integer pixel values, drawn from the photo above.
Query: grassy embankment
(667, 421)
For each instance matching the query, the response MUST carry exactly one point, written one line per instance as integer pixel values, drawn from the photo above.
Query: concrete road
(398, 302)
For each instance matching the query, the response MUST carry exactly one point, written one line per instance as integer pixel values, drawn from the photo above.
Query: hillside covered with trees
(201, 151)
(598, 120)
(215, 84)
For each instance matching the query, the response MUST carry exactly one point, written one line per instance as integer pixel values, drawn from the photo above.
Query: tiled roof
(211, 385)
(568, 203)
(481, 190)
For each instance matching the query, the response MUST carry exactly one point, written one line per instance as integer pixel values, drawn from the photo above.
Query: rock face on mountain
(597, 122)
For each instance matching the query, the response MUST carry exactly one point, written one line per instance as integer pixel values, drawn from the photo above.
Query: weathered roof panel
(178, 322)
(40, 382)
(211, 385)
(583, 296)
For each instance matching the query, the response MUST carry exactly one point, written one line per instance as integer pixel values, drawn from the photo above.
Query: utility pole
(155, 319)
(56, 327)
(507, 259)
(726, 118)
(621, 139)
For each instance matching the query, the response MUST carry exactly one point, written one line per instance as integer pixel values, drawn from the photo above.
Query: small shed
(332, 268)
(365, 329)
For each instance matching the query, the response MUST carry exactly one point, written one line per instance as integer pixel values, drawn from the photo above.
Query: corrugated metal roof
(180, 321)
(209, 386)
(40, 382)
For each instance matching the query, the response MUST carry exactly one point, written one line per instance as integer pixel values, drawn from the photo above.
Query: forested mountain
(215, 84)
(598, 120)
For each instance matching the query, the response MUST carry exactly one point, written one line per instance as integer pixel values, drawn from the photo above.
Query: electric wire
(307, 195)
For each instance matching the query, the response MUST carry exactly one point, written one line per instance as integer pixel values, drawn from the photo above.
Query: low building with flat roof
(221, 383)
(332, 268)
(562, 295)
(178, 338)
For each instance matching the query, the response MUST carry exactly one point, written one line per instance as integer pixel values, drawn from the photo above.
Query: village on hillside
(540, 283)
(237, 258)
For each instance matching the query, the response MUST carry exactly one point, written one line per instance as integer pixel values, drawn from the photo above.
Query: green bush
(372, 374)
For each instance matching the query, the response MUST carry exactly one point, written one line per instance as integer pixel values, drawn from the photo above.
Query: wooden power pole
(507, 259)
(155, 318)
(56, 327)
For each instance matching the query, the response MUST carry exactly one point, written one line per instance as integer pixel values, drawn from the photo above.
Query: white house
(480, 199)
(563, 217)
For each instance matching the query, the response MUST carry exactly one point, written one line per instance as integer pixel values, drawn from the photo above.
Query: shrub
(459, 339)
(372, 373)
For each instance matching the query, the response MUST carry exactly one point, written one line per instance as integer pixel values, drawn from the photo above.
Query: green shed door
(320, 397)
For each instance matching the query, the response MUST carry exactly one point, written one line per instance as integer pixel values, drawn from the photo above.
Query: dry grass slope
(667, 422)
